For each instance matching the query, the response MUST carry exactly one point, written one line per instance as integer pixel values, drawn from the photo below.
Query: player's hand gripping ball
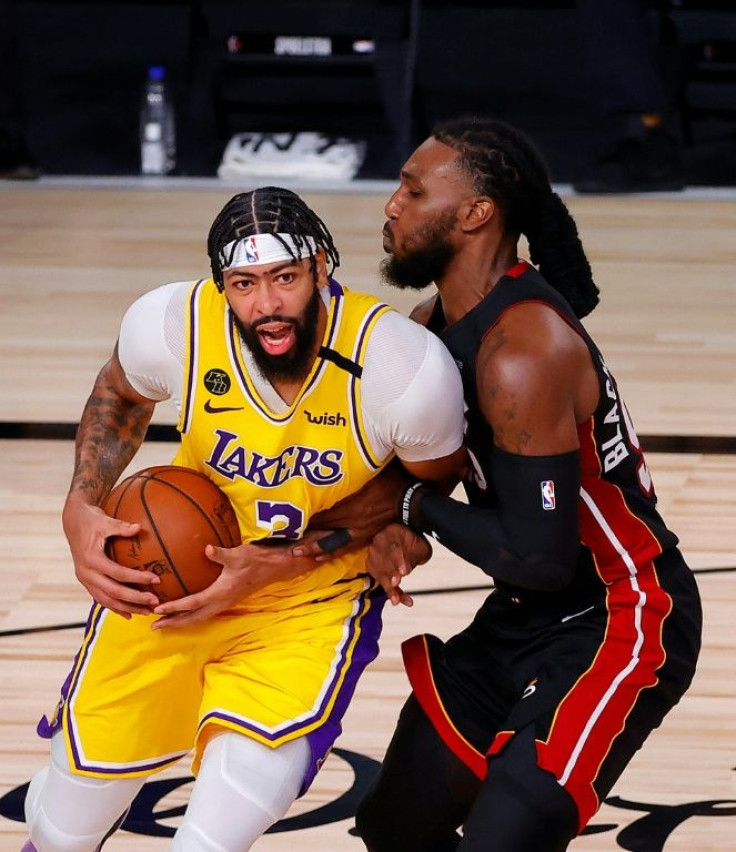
(180, 512)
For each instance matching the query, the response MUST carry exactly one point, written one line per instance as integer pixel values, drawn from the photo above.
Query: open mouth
(277, 338)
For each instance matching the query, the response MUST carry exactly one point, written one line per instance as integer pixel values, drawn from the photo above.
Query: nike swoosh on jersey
(217, 409)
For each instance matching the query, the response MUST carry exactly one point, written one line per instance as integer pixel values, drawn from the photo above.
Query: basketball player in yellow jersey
(293, 393)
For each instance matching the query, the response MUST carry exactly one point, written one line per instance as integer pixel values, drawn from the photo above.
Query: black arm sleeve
(530, 539)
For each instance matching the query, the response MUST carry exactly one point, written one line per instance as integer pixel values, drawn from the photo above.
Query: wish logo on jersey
(231, 459)
(326, 419)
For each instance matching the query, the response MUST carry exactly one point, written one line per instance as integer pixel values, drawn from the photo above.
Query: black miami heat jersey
(619, 521)
(592, 668)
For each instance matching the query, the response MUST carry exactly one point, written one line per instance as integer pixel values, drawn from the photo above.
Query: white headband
(263, 248)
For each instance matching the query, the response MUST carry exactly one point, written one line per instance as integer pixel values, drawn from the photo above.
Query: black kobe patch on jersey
(217, 381)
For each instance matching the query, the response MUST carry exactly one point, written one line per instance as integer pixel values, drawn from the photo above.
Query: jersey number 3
(282, 520)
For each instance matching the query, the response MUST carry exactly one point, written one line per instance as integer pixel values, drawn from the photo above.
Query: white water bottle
(157, 129)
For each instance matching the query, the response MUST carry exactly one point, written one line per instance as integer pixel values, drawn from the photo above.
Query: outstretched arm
(535, 383)
(111, 429)
(246, 569)
(252, 566)
(368, 518)
(377, 504)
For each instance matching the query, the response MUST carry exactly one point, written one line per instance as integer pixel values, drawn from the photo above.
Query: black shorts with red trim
(594, 678)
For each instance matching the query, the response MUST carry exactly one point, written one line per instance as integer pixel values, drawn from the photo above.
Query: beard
(297, 362)
(426, 257)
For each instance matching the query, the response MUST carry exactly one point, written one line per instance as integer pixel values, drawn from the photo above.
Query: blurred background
(377, 71)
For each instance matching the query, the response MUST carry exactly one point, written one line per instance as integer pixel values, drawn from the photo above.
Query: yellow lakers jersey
(279, 469)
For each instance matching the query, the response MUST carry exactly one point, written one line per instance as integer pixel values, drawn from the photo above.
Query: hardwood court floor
(73, 256)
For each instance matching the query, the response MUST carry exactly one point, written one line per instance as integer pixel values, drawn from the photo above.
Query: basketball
(180, 512)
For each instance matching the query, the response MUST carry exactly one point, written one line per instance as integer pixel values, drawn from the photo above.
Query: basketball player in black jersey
(518, 726)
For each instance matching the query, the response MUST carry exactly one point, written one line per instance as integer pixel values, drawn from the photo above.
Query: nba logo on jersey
(251, 250)
(548, 494)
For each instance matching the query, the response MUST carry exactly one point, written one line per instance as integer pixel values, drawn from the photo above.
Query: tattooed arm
(111, 430)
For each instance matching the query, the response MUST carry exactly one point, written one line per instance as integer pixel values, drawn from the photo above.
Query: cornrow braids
(269, 210)
(503, 164)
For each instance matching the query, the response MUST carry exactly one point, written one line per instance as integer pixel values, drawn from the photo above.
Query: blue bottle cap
(156, 73)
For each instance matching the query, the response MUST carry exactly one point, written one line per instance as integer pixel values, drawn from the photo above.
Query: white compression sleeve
(72, 813)
(152, 344)
(411, 392)
(243, 788)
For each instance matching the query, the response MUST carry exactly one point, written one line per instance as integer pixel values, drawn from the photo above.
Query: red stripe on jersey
(517, 270)
(594, 712)
(419, 670)
(607, 526)
(499, 742)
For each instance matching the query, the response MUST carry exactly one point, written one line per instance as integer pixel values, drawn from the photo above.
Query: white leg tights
(242, 789)
(71, 813)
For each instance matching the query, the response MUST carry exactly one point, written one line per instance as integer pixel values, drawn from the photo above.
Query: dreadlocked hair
(269, 210)
(503, 164)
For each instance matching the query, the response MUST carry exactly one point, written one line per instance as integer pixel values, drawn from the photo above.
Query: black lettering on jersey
(326, 419)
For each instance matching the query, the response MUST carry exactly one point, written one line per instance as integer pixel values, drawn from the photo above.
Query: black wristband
(405, 503)
(335, 540)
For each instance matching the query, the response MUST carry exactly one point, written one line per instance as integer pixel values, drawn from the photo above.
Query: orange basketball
(180, 512)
